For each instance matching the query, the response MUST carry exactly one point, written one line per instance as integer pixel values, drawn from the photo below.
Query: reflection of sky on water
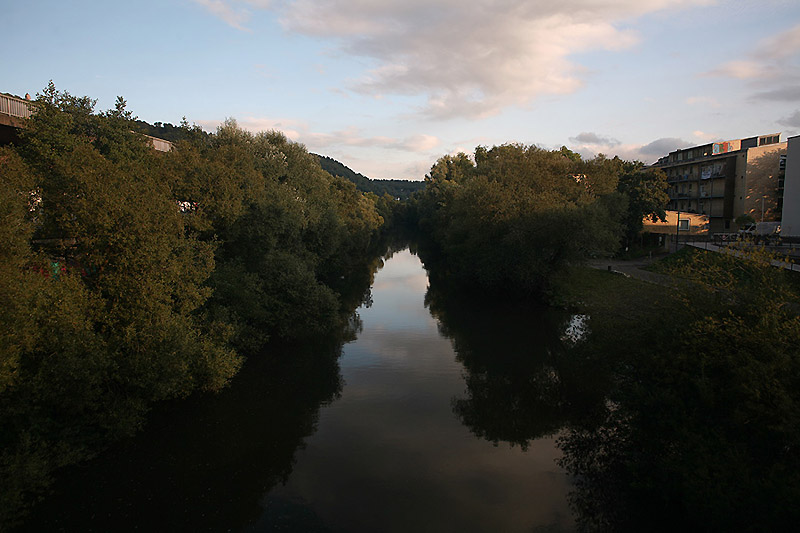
(390, 455)
(402, 282)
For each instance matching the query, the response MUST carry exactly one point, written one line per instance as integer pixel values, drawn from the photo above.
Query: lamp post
(677, 230)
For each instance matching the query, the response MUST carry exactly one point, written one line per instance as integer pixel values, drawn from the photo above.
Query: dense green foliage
(646, 190)
(287, 230)
(700, 426)
(167, 131)
(396, 189)
(518, 214)
(130, 276)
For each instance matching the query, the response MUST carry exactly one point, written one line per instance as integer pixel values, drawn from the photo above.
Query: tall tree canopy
(520, 213)
(129, 276)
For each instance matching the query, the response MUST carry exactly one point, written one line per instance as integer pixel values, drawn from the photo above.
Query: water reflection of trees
(205, 463)
(678, 411)
(521, 382)
(702, 424)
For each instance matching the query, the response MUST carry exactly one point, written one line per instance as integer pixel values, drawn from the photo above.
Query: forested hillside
(397, 189)
(167, 131)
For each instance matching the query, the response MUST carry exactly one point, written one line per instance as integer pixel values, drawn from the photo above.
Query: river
(439, 417)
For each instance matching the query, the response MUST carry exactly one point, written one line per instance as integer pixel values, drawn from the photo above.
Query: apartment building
(790, 220)
(726, 179)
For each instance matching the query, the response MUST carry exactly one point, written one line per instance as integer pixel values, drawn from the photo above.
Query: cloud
(230, 12)
(352, 137)
(703, 100)
(421, 143)
(593, 139)
(663, 146)
(468, 60)
(783, 45)
(792, 121)
(647, 153)
(784, 94)
(293, 129)
(704, 136)
(742, 70)
(772, 69)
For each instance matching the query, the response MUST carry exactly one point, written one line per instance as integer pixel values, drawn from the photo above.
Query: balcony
(15, 107)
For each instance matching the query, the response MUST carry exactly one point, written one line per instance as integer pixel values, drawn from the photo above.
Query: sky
(389, 86)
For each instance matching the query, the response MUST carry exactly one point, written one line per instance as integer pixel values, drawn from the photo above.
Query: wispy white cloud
(705, 136)
(742, 70)
(772, 70)
(469, 60)
(302, 132)
(707, 101)
(588, 138)
(293, 129)
(232, 13)
(792, 121)
(647, 153)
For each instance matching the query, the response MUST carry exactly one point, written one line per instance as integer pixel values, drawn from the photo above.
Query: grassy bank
(602, 293)
(701, 424)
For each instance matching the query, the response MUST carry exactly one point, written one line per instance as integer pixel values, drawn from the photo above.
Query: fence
(787, 249)
(15, 107)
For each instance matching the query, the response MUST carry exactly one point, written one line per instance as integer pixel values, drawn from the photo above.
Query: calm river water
(421, 424)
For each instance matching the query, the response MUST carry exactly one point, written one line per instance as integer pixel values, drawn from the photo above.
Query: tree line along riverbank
(130, 276)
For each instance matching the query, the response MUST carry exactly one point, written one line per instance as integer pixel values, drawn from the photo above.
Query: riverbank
(702, 392)
(635, 268)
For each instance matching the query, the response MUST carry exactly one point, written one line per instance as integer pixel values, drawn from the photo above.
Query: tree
(718, 364)
(520, 214)
(646, 191)
(127, 274)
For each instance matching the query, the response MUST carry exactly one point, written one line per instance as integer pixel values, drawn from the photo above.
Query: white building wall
(790, 224)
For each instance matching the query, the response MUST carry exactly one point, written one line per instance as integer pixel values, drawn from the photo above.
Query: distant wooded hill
(167, 131)
(401, 189)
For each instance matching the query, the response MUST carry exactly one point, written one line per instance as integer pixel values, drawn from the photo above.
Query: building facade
(790, 221)
(726, 179)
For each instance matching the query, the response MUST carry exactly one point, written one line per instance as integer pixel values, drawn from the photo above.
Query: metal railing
(15, 107)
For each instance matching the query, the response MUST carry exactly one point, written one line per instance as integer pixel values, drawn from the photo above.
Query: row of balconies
(694, 195)
(694, 177)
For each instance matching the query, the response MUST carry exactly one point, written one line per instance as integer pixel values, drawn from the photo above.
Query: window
(683, 224)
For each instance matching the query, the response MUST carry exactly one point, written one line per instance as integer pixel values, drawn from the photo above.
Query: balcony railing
(15, 107)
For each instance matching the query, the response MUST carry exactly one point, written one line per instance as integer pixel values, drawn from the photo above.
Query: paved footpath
(633, 268)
